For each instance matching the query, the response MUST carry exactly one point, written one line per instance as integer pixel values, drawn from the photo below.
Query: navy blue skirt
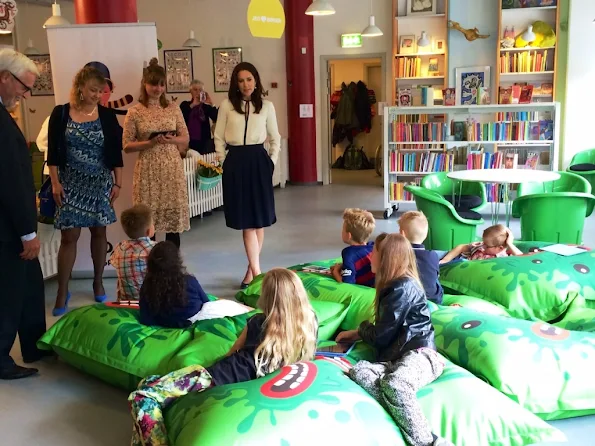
(248, 198)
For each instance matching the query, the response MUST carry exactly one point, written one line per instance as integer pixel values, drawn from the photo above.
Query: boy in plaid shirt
(130, 256)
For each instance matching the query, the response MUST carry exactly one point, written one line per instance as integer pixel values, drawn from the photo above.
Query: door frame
(325, 94)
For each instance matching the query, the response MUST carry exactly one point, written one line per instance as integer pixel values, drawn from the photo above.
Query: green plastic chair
(568, 182)
(440, 183)
(557, 217)
(446, 228)
(585, 157)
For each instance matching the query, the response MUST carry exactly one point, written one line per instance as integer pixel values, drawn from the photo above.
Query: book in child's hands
(337, 350)
(316, 269)
(564, 250)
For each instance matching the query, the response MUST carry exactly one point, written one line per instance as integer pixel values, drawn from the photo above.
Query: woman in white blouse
(244, 123)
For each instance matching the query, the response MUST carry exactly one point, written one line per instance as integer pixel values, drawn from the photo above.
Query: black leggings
(173, 237)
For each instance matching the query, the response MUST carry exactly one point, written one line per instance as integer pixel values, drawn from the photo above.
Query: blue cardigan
(177, 317)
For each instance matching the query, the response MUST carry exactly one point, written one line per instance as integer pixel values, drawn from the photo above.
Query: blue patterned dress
(87, 182)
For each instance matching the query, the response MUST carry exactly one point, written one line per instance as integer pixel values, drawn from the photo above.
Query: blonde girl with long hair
(284, 333)
(403, 337)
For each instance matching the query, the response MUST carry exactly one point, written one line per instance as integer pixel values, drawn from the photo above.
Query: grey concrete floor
(62, 407)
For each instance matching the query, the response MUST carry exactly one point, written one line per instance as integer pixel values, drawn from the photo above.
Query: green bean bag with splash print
(315, 403)
(111, 344)
(546, 369)
(538, 286)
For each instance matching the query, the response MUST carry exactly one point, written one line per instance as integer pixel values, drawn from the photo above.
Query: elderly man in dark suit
(22, 301)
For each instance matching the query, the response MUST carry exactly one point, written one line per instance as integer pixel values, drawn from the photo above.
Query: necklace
(88, 114)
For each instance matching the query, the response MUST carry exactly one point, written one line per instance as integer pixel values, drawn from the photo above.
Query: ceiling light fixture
(372, 30)
(320, 7)
(56, 19)
(191, 42)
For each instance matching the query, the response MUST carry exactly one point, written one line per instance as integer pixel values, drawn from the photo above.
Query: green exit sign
(351, 40)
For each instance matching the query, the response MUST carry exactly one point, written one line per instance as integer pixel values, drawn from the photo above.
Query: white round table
(505, 177)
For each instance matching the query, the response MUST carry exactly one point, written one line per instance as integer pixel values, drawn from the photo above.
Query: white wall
(351, 17)
(580, 96)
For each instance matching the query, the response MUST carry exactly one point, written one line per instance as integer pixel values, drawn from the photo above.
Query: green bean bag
(540, 286)
(111, 344)
(327, 407)
(579, 316)
(546, 369)
(359, 299)
(473, 303)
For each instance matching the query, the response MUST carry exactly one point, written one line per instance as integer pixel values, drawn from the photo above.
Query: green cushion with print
(309, 402)
(539, 286)
(546, 369)
(474, 303)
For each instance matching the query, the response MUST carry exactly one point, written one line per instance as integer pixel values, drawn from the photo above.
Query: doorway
(346, 72)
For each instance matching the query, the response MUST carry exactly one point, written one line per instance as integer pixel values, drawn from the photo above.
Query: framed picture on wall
(439, 46)
(468, 82)
(224, 62)
(44, 85)
(179, 70)
(407, 44)
(421, 7)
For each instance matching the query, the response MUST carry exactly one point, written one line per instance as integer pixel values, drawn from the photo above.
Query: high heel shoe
(101, 299)
(59, 311)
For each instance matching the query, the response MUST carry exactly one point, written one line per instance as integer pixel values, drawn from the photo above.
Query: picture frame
(179, 70)
(44, 85)
(407, 44)
(421, 7)
(468, 82)
(433, 67)
(224, 62)
(439, 46)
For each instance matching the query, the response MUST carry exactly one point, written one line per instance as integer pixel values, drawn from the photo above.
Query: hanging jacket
(363, 107)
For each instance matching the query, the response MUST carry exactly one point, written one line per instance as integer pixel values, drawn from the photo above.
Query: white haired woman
(198, 114)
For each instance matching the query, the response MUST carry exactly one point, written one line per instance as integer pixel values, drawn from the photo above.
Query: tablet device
(337, 350)
(156, 134)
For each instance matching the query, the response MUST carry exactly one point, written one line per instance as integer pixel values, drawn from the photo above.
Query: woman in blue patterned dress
(85, 160)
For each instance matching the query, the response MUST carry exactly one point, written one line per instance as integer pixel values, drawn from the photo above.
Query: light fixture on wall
(320, 7)
(191, 42)
(56, 19)
(424, 40)
(372, 30)
(31, 50)
(529, 36)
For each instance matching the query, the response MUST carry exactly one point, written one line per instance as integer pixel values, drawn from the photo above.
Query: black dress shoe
(17, 372)
(42, 354)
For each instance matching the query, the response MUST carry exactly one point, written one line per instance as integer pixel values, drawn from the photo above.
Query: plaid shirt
(130, 260)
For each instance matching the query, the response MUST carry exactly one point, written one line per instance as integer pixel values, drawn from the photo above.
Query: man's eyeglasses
(27, 89)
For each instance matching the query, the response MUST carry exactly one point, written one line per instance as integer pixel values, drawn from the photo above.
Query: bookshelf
(535, 66)
(419, 141)
(417, 66)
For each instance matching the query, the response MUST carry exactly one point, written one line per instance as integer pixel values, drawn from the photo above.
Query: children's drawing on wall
(109, 89)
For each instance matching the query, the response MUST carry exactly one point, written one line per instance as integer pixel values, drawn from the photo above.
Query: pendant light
(191, 42)
(423, 40)
(56, 19)
(320, 7)
(529, 36)
(31, 50)
(372, 30)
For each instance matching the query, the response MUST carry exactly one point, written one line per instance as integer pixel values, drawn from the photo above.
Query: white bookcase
(399, 141)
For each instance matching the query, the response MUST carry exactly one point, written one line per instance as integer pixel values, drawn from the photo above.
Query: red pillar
(299, 38)
(105, 11)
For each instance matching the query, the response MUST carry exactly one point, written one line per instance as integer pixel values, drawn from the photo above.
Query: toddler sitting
(130, 256)
(497, 242)
(358, 226)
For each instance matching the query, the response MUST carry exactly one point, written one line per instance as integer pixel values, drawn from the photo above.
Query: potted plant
(208, 175)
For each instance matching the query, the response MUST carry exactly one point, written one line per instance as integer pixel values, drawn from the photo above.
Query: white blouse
(231, 129)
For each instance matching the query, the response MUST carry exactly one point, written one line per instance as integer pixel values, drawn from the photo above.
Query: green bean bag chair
(314, 403)
(112, 345)
(538, 286)
(546, 369)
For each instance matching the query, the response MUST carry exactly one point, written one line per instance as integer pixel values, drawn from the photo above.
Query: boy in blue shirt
(414, 226)
(358, 226)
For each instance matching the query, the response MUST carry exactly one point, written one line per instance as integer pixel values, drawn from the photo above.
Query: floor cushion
(538, 286)
(329, 405)
(462, 202)
(546, 369)
(320, 287)
(579, 316)
(111, 344)
(584, 167)
(474, 303)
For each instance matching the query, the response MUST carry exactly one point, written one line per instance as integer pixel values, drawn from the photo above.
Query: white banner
(122, 50)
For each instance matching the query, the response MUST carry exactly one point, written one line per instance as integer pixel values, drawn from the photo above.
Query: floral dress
(159, 180)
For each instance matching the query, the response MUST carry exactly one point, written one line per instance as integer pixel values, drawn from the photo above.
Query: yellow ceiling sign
(266, 18)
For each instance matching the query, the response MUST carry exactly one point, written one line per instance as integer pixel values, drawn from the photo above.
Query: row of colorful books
(409, 67)
(397, 192)
(502, 160)
(510, 131)
(421, 162)
(524, 62)
(417, 132)
(517, 116)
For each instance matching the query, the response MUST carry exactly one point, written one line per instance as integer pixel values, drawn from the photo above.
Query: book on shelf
(409, 67)
(417, 132)
(509, 131)
(404, 97)
(524, 62)
(397, 192)
(532, 160)
(421, 162)
(450, 97)
(517, 116)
